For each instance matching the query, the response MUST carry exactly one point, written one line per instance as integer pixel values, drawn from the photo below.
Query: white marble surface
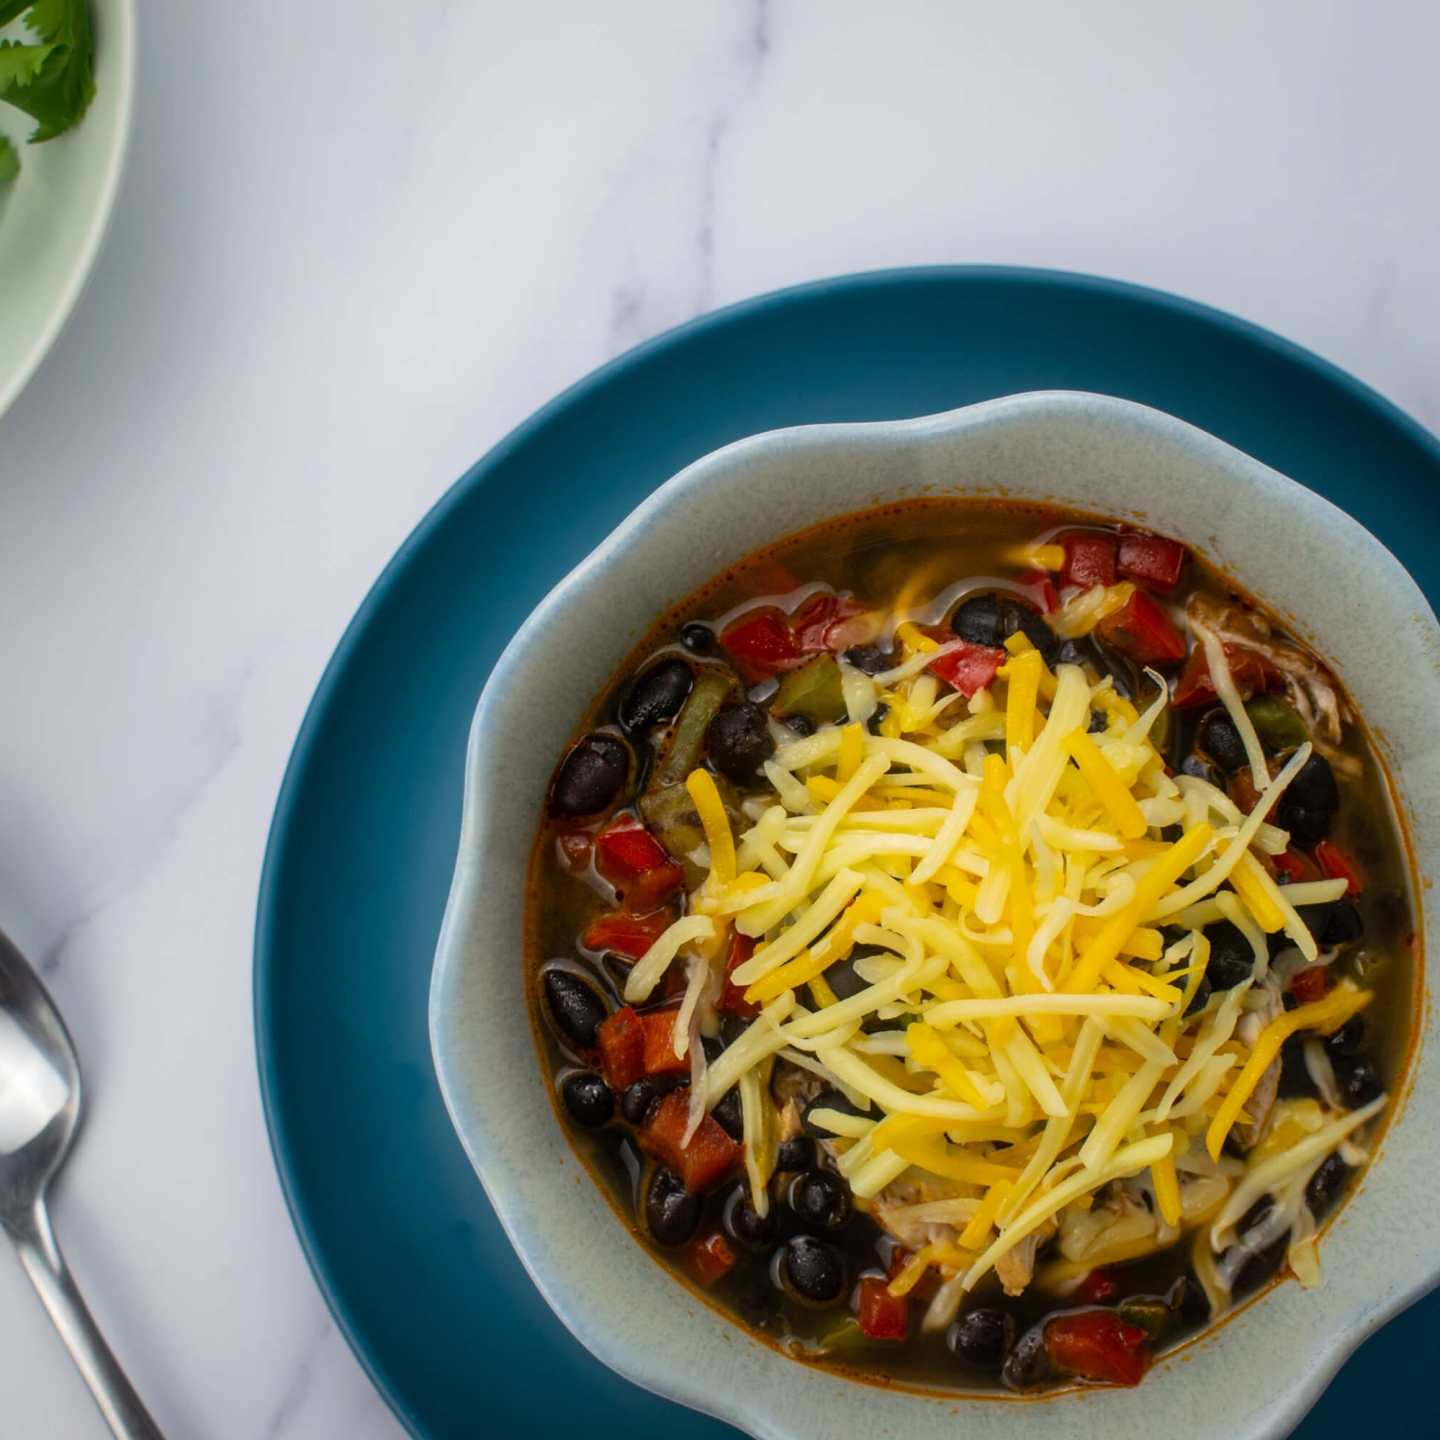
(357, 244)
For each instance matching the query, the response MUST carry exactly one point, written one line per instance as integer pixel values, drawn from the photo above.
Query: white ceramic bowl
(1264, 1367)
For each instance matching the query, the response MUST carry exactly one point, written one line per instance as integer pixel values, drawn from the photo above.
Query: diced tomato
(1297, 868)
(1335, 864)
(622, 1048)
(709, 1158)
(761, 644)
(1253, 675)
(709, 1256)
(637, 864)
(1097, 1287)
(1144, 631)
(969, 668)
(816, 623)
(1042, 589)
(1152, 560)
(660, 1057)
(1311, 985)
(732, 999)
(1098, 1345)
(882, 1316)
(628, 935)
(1089, 560)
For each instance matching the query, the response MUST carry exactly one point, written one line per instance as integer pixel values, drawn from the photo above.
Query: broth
(910, 558)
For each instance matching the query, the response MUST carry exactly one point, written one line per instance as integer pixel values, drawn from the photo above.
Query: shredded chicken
(1017, 1265)
(1311, 689)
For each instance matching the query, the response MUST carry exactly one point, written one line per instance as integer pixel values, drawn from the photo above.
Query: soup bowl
(1261, 1367)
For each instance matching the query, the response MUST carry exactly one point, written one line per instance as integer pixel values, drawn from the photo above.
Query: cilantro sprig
(50, 79)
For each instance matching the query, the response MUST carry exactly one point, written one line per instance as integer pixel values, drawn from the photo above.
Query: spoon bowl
(39, 1114)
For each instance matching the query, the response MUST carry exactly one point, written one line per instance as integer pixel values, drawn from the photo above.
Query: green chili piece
(814, 691)
(1275, 722)
(712, 688)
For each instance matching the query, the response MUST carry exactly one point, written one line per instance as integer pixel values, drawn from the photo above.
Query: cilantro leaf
(51, 82)
(9, 161)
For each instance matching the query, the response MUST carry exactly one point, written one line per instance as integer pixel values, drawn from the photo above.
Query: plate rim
(278, 837)
(67, 300)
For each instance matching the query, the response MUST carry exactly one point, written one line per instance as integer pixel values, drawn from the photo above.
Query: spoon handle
(122, 1408)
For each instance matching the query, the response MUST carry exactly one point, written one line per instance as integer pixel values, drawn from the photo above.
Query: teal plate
(396, 1227)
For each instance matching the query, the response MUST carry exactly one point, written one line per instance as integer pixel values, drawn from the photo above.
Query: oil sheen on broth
(1180, 1092)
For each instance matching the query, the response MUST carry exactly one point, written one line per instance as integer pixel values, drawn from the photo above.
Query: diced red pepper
(709, 1257)
(1311, 985)
(628, 935)
(1241, 789)
(1098, 1345)
(1295, 867)
(1042, 589)
(1335, 864)
(660, 1057)
(1097, 1287)
(817, 621)
(637, 864)
(709, 1158)
(882, 1316)
(1152, 560)
(1253, 675)
(969, 668)
(621, 1039)
(1144, 631)
(1089, 560)
(761, 644)
(732, 999)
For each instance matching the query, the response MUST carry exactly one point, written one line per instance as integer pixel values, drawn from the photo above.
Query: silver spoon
(39, 1110)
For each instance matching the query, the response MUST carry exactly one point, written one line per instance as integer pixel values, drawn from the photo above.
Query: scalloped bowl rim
(622, 1305)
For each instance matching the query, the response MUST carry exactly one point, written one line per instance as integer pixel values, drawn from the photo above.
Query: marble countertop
(356, 245)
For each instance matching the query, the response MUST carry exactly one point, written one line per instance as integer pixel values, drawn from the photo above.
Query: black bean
(812, 1270)
(874, 722)
(872, 659)
(1202, 769)
(1348, 1038)
(821, 1197)
(671, 1215)
(1337, 922)
(698, 639)
(842, 978)
(992, 619)
(1260, 1266)
(1290, 1001)
(1189, 1301)
(796, 1154)
(657, 694)
(732, 1027)
(1314, 787)
(982, 1338)
(577, 1009)
(1029, 1362)
(1358, 1079)
(1201, 998)
(827, 1100)
(746, 1224)
(590, 776)
(740, 741)
(1326, 1185)
(637, 1099)
(1221, 742)
(1231, 956)
(713, 1047)
(1295, 1078)
(729, 1115)
(588, 1099)
(800, 724)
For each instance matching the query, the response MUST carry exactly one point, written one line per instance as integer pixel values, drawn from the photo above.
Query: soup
(974, 946)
